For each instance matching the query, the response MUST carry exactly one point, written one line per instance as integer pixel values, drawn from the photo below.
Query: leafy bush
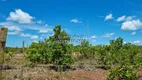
(127, 63)
(122, 72)
(38, 53)
(60, 48)
(56, 49)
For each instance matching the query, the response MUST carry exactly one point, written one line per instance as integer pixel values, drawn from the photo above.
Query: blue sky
(33, 20)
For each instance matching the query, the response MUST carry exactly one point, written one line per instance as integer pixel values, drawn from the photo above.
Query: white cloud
(40, 29)
(7, 23)
(17, 31)
(75, 21)
(40, 22)
(129, 18)
(124, 42)
(41, 38)
(107, 35)
(13, 33)
(44, 30)
(137, 42)
(94, 37)
(13, 28)
(133, 33)
(29, 35)
(122, 18)
(46, 25)
(45, 36)
(34, 37)
(20, 16)
(36, 41)
(25, 35)
(131, 25)
(108, 17)
(93, 40)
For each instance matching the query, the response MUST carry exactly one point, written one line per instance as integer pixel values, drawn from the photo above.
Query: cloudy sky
(33, 20)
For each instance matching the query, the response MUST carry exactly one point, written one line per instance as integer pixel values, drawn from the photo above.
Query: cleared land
(45, 73)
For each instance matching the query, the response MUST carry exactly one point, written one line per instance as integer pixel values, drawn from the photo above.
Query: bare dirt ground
(87, 75)
(45, 73)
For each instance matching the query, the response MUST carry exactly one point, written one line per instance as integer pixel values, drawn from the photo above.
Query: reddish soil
(87, 75)
(71, 75)
(45, 74)
(41, 73)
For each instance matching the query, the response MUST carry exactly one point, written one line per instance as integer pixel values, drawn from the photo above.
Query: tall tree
(60, 47)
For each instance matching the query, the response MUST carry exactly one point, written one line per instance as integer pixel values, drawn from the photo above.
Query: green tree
(56, 49)
(61, 48)
(125, 60)
(84, 49)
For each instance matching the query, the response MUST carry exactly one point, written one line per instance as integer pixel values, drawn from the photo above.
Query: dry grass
(88, 72)
(46, 74)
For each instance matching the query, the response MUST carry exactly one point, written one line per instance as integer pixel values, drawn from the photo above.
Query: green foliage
(38, 53)
(14, 50)
(122, 72)
(30, 64)
(84, 50)
(10, 52)
(56, 49)
(8, 56)
(126, 60)
(61, 49)
(101, 52)
(124, 57)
